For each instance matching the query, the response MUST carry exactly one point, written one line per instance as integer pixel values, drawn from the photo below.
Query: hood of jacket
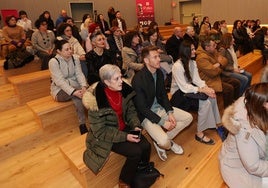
(95, 97)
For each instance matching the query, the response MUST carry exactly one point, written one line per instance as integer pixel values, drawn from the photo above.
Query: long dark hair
(255, 98)
(185, 56)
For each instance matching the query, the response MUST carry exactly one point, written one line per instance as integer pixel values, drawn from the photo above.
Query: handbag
(18, 59)
(200, 96)
(146, 175)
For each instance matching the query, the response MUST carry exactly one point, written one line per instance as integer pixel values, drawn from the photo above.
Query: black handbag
(146, 175)
(200, 96)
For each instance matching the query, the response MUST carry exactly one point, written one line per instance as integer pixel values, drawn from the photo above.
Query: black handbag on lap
(200, 96)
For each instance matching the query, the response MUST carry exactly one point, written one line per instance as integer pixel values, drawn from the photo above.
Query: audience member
(63, 14)
(174, 42)
(111, 15)
(104, 27)
(119, 22)
(25, 23)
(154, 25)
(186, 80)
(43, 42)
(111, 100)
(85, 16)
(141, 32)
(67, 80)
(65, 32)
(75, 30)
(209, 63)
(131, 54)
(232, 69)
(50, 24)
(206, 22)
(84, 31)
(115, 42)
(191, 36)
(160, 120)
(223, 26)
(97, 57)
(195, 25)
(14, 37)
(166, 61)
(242, 156)
(264, 76)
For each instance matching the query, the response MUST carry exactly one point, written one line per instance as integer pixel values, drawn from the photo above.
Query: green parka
(104, 128)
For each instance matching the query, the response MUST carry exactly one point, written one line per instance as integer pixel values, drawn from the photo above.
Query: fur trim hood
(228, 120)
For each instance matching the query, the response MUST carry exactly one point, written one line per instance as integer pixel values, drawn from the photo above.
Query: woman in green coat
(112, 116)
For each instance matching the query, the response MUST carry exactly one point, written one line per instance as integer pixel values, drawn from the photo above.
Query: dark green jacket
(104, 124)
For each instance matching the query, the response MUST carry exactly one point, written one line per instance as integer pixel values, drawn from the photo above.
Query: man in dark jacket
(160, 120)
(174, 42)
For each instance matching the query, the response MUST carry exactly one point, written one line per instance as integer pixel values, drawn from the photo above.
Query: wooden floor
(35, 161)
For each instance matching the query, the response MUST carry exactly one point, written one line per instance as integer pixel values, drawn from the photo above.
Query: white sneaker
(176, 148)
(161, 152)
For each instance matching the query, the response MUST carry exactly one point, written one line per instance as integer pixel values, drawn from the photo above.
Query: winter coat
(242, 156)
(104, 128)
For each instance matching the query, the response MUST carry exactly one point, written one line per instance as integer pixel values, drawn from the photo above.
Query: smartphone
(136, 132)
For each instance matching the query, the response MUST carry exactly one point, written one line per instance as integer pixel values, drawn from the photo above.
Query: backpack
(146, 176)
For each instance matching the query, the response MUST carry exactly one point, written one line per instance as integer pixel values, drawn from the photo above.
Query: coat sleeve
(129, 62)
(103, 124)
(248, 151)
(204, 65)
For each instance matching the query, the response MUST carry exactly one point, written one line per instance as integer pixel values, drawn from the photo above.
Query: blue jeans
(244, 78)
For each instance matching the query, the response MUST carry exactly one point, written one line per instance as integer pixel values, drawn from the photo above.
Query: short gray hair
(107, 71)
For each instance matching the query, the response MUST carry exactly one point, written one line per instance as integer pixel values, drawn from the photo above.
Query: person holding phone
(113, 118)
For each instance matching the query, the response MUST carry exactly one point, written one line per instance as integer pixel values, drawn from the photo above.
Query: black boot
(83, 129)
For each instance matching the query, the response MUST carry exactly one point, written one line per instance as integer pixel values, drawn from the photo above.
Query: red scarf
(115, 100)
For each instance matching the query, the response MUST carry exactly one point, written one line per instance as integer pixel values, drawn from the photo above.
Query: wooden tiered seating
(33, 66)
(251, 62)
(8, 99)
(31, 86)
(48, 112)
(107, 177)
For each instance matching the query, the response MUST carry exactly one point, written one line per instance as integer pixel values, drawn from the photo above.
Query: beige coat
(242, 156)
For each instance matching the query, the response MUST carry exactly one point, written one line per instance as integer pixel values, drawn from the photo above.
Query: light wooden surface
(8, 98)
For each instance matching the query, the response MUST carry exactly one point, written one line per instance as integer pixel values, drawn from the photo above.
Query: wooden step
(33, 66)
(31, 86)
(8, 99)
(109, 175)
(206, 173)
(16, 124)
(48, 112)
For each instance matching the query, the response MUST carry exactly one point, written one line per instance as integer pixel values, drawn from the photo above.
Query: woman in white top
(185, 79)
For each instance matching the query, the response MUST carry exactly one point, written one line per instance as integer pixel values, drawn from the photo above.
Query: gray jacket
(65, 75)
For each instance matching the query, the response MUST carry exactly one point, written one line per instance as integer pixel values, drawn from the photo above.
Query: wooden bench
(31, 86)
(251, 62)
(48, 112)
(33, 66)
(107, 177)
(206, 173)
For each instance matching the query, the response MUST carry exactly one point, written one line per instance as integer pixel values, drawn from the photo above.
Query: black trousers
(135, 153)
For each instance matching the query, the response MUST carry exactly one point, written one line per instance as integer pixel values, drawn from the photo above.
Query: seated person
(65, 32)
(210, 64)
(185, 79)
(25, 23)
(67, 80)
(232, 69)
(75, 30)
(112, 115)
(131, 54)
(115, 41)
(14, 37)
(243, 155)
(160, 120)
(166, 61)
(43, 42)
(97, 57)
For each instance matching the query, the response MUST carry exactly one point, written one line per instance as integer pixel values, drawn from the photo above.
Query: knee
(164, 142)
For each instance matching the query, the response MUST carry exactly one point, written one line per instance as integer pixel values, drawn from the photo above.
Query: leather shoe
(209, 142)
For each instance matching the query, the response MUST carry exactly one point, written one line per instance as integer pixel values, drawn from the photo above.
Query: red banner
(145, 11)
